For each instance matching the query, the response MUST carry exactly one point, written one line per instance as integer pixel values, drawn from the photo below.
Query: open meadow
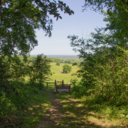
(57, 75)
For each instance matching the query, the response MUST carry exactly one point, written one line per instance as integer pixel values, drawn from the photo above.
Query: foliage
(19, 102)
(67, 68)
(104, 66)
(15, 93)
(18, 95)
(75, 63)
(58, 63)
(38, 71)
(104, 72)
(64, 59)
(67, 61)
(116, 16)
(4, 72)
(19, 20)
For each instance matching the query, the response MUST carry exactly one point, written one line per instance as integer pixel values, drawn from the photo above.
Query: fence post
(71, 84)
(62, 82)
(55, 85)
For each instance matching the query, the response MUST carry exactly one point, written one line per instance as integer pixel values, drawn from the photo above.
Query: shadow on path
(55, 118)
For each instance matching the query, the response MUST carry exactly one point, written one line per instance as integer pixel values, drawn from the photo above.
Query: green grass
(32, 115)
(23, 106)
(82, 113)
(62, 76)
(67, 77)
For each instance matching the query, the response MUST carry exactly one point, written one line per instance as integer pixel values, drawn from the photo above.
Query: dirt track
(53, 115)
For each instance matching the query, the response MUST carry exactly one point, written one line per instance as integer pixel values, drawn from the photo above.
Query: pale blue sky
(81, 23)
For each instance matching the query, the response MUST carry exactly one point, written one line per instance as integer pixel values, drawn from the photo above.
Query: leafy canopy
(19, 20)
(116, 16)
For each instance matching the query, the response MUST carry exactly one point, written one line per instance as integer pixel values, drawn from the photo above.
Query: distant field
(60, 76)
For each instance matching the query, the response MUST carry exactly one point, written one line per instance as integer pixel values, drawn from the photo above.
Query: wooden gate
(57, 83)
(62, 87)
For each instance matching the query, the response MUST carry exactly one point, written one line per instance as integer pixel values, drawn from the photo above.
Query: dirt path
(53, 115)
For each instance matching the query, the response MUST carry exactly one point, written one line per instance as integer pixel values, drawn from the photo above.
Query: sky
(80, 24)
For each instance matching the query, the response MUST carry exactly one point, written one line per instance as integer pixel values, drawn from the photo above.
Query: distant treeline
(68, 60)
(64, 60)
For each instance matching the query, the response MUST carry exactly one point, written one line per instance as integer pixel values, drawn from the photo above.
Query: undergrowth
(23, 102)
(23, 105)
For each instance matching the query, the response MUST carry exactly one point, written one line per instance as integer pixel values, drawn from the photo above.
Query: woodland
(104, 57)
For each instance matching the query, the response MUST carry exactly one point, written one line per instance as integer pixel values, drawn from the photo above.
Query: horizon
(55, 55)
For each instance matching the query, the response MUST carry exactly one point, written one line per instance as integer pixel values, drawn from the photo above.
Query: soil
(53, 115)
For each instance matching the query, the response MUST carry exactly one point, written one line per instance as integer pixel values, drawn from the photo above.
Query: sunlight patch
(30, 109)
(80, 105)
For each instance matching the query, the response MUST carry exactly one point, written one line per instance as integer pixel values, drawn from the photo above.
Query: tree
(58, 63)
(106, 58)
(20, 18)
(117, 16)
(74, 63)
(39, 70)
(66, 68)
